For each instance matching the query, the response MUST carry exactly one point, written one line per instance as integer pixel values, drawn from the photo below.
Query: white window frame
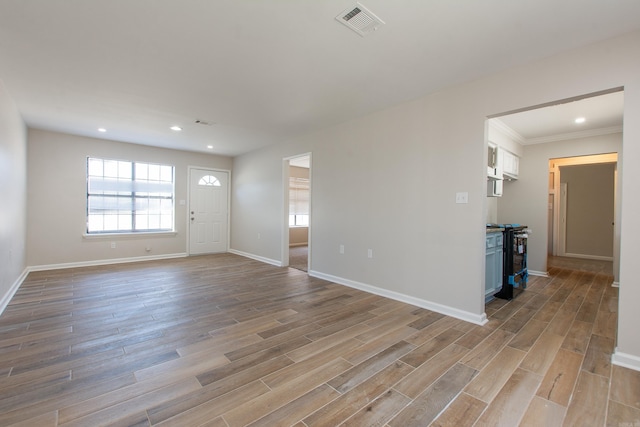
(138, 197)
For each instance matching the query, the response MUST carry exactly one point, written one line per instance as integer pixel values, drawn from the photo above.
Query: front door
(208, 211)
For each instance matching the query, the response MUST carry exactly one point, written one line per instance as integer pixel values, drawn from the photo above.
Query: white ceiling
(263, 71)
(603, 114)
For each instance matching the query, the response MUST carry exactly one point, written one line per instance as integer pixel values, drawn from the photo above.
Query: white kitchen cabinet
(494, 263)
(510, 164)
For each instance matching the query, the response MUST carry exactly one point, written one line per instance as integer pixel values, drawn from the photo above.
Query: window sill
(129, 235)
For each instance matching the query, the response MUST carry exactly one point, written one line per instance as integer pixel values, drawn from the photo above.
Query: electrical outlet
(341, 249)
(113, 245)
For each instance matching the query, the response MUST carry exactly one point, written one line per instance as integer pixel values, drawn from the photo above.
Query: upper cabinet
(510, 165)
(503, 164)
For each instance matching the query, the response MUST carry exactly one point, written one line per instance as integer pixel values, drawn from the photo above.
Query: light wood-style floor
(226, 341)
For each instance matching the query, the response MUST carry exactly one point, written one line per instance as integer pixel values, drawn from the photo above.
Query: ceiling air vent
(360, 19)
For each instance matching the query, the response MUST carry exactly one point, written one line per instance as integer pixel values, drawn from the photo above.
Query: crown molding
(573, 135)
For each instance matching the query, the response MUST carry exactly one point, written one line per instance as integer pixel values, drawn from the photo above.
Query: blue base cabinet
(494, 260)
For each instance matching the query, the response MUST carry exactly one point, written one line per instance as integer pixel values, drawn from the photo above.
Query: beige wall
(388, 181)
(57, 199)
(13, 194)
(590, 210)
(298, 235)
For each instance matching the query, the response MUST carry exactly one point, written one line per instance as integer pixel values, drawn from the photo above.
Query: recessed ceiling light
(210, 147)
(102, 130)
(176, 128)
(580, 120)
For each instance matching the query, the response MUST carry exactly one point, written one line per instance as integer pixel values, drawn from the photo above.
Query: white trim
(625, 360)
(478, 319)
(500, 126)
(573, 135)
(615, 285)
(593, 257)
(103, 262)
(129, 235)
(6, 298)
(257, 257)
(538, 273)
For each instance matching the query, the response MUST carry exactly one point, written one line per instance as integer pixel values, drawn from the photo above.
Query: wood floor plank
(378, 412)
(512, 400)
(625, 386)
(527, 336)
(587, 407)
(622, 415)
(464, 411)
(418, 356)
(123, 403)
(483, 353)
(126, 345)
(543, 413)
(597, 359)
(578, 336)
(424, 375)
(426, 407)
(298, 408)
(542, 353)
(560, 379)
(212, 409)
(280, 396)
(355, 399)
(490, 380)
(359, 373)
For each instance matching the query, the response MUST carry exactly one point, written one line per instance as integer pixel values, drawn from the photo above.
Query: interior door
(208, 211)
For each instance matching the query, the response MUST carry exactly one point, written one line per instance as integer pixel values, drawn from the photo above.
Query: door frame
(285, 209)
(188, 204)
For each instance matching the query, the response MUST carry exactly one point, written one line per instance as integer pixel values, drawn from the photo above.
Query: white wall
(57, 199)
(387, 181)
(13, 193)
(525, 201)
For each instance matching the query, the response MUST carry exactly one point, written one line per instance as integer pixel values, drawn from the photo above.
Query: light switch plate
(462, 197)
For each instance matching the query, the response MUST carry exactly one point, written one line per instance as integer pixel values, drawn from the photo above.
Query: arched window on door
(209, 180)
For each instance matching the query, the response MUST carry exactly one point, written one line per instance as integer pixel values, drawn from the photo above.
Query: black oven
(514, 270)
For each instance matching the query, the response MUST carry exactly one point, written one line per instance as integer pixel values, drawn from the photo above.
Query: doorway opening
(582, 210)
(579, 127)
(297, 223)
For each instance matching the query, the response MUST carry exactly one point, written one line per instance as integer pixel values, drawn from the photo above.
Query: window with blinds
(299, 202)
(129, 197)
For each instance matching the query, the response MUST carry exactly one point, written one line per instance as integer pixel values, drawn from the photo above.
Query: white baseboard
(257, 257)
(593, 257)
(478, 319)
(103, 262)
(625, 360)
(538, 273)
(6, 298)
